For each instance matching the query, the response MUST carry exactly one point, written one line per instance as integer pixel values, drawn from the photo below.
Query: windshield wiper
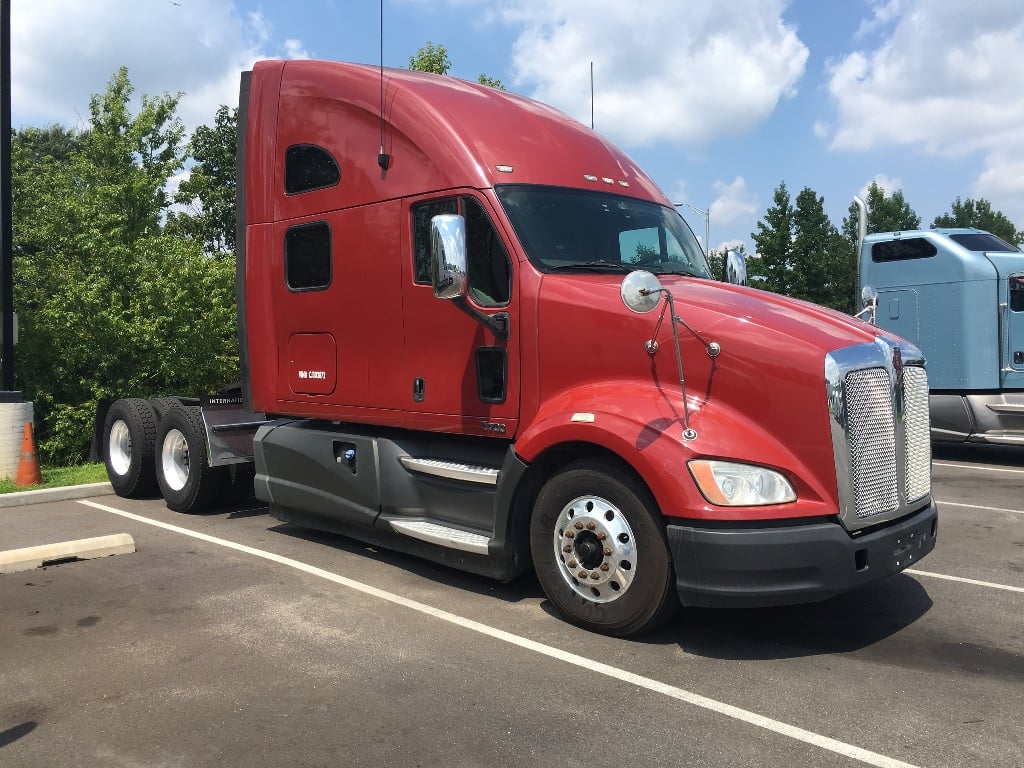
(593, 266)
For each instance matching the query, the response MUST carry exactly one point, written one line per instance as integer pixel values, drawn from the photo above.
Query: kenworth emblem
(897, 366)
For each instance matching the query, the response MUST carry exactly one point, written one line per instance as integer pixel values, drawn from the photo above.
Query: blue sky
(718, 101)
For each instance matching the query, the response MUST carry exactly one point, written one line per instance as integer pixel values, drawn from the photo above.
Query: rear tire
(129, 434)
(187, 482)
(600, 551)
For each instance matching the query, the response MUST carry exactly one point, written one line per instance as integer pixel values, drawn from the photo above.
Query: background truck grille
(880, 431)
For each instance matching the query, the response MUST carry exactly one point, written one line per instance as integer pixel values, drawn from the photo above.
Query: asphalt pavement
(230, 639)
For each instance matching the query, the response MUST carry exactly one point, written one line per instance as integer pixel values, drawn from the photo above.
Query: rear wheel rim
(119, 447)
(595, 549)
(174, 459)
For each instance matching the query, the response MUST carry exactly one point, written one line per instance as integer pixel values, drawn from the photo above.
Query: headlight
(740, 485)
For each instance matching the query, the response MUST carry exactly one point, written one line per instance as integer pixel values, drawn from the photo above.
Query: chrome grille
(878, 404)
(918, 436)
(872, 441)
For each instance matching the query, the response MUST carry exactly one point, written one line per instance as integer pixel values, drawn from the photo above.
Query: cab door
(458, 376)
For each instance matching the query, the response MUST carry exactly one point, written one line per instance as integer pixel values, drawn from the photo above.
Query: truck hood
(763, 399)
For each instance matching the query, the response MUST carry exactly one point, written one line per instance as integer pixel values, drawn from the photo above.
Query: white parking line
(962, 580)
(976, 506)
(590, 665)
(952, 465)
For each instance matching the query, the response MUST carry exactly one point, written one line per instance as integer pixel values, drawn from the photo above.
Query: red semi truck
(473, 330)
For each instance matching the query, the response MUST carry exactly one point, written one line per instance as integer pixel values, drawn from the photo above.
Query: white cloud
(942, 80)
(63, 50)
(663, 71)
(735, 204)
(887, 184)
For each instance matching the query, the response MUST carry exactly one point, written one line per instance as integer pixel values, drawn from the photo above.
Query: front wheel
(600, 551)
(187, 481)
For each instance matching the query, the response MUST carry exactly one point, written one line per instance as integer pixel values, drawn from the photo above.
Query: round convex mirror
(640, 291)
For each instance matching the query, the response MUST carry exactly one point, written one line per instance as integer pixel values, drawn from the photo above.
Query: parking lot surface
(230, 639)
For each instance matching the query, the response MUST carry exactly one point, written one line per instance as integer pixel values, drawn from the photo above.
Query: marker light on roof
(589, 177)
(623, 183)
(606, 180)
(504, 168)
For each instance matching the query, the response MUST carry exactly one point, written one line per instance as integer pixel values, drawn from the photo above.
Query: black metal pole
(6, 205)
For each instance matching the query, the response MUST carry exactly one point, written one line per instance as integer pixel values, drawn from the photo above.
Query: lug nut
(567, 549)
(582, 574)
(604, 566)
(591, 526)
(569, 534)
(595, 576)
(579, 525)
(607, 551)
(602, 536)
(573, 563)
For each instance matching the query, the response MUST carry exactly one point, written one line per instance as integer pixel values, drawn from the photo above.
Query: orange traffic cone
(28, 467)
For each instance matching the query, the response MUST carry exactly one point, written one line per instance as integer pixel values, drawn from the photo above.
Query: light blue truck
(958, 294)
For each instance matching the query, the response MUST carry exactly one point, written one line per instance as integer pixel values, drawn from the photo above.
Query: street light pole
(7, 393)
(707, 225)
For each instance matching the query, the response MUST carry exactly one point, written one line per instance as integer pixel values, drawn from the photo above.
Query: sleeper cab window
(308, 167)
(901, 250)
(307, 256)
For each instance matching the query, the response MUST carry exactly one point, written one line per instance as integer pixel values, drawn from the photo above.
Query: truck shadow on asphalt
(843, 624)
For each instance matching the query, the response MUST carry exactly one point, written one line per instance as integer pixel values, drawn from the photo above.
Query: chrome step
(453, 538)
(452, 470)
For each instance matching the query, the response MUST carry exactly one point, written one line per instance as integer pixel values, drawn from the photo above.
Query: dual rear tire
(161, 443)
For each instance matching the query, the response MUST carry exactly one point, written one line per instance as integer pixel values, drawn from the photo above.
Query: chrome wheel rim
(595, 549)
(119, 447)
(174, 459)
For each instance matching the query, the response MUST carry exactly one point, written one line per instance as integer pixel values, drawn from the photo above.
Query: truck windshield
(564, 229)
(983, 241)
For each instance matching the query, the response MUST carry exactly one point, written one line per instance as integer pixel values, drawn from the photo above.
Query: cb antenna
(383, 159)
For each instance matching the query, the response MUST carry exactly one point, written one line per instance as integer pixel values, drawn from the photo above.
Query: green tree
(772, 269)
(886, 213)
(800, 253)
(434, 58)
(979, 214)
(824, 266)
(491, 81)
(109, 304)
(208, 194)
(431, 58)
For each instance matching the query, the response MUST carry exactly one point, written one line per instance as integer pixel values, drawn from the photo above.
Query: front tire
(129, 433)
(187, 481)
(600, 551)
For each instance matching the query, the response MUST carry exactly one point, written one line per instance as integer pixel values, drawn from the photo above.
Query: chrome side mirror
(448, 256)
(735, 268)
(869, 299)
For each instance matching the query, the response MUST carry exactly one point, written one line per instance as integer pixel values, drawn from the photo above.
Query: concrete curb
(41, 495)
(30, 558)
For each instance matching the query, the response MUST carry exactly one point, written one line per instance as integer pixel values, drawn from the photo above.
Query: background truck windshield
(565, 229)
(983, 241)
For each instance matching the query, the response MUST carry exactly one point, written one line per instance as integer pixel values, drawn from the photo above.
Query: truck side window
(422, 213)
(307, 256)
(308, 167)
(900, 250)
(487, 260)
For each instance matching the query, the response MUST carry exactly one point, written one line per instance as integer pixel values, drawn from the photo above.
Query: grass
(57, 477)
